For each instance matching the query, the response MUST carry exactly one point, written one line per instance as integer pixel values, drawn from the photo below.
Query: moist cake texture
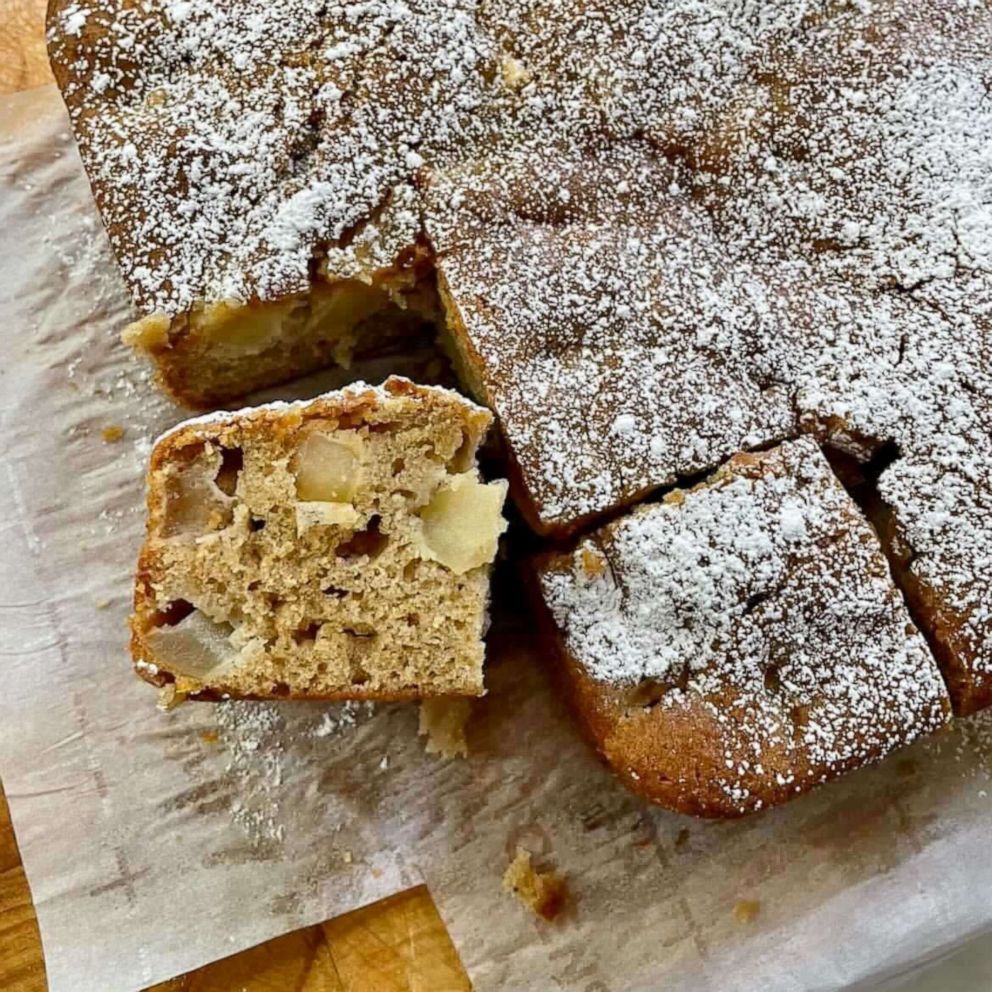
(336, 548)
(742, 641)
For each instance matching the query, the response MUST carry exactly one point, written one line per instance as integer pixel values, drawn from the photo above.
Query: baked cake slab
(650, 235)
(664, 231)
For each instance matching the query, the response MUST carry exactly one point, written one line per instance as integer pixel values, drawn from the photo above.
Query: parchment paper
(154, 843)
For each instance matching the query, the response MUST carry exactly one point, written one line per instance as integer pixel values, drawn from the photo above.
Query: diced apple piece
(344, 305)
(149, 333)
(320, 514)
(196, 646)
(593, 562)
(247, 328)
(515, 74)
(326, 468)
(194, 503)
(463, 521)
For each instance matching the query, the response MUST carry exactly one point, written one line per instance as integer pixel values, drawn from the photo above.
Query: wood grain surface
(397, 945)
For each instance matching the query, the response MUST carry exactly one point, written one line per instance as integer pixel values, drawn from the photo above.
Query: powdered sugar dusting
(231, 144)
(251, 735)
(671, 229)
(264, 747)
(753, 227)
(618, 303)
(763, 599)
(337, 719)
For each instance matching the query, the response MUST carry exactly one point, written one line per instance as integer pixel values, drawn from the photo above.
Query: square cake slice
(255, 164)
(741, 641)
(335, 548)
(589, 305)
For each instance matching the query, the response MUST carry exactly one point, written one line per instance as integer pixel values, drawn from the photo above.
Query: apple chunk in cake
(334, 548)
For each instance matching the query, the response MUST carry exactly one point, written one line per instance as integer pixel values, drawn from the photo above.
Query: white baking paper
(155, 843)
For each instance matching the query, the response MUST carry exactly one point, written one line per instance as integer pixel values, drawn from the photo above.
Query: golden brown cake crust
(206, 357)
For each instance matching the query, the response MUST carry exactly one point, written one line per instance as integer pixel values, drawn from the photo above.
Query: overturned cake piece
(335, 548)
(741, 641)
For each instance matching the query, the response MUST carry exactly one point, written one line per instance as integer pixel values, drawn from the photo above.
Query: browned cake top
(763, 597)
(671, 228)
(231, 143)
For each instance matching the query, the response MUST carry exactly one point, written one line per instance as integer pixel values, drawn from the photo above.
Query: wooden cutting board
(397, 945)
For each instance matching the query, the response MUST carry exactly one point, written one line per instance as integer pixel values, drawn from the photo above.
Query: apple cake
(334, 548)
(650, 235)
(741, 641)
(630, 202)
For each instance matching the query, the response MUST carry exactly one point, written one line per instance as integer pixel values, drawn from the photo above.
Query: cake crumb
(592, 564)
(112, 433)
(169, 698)
(443, 721)
(102, 604)
(745, 910)
(544, 892)
(209, 736)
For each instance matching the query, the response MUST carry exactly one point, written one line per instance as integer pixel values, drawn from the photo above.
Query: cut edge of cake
(337, 548)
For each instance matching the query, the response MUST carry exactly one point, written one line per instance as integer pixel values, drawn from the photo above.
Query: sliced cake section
(936, 522)
(255, 167)
(335, 548)
(741, 641)
(230, 348)
(589, 304)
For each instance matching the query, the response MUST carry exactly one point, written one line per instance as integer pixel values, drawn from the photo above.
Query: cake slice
(588, 304)
(230, 347)
(741, 641)
(936, 524)
(335, 548)
(255, 165)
